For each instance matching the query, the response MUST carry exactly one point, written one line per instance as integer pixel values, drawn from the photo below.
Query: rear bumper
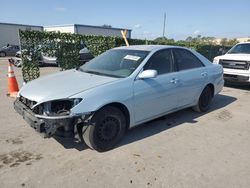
(46, 127)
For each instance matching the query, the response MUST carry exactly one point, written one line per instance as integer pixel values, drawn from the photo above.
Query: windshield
(240, 49)
(115, 63)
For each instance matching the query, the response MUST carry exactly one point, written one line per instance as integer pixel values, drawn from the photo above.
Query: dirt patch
(38, 157)
(5, 159)
(14, 141)
(224, 115)
(15, 158)
(136, 155)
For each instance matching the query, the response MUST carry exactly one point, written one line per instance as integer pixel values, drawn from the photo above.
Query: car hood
(62, 85)
(239, 57)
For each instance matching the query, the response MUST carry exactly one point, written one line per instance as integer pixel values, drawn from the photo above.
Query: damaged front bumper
(47, 125)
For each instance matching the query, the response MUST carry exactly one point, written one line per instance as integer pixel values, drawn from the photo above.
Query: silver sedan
(119, 89)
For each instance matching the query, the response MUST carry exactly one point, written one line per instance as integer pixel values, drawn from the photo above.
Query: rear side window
(161, 61)
(185, 60)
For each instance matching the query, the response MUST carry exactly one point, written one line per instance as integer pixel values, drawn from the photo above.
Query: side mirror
(147, 74)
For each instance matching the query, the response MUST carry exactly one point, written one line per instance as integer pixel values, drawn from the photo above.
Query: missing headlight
(59, 107)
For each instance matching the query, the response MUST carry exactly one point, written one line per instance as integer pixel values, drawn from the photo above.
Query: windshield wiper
(93, 72)
(99, 73)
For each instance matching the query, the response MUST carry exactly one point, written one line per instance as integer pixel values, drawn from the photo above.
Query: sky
(216, 18)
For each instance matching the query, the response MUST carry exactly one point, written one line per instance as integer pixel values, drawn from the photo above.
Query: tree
(163, 40)
(189, 39)
(208, 40)
(228, 42)
(223, 42)
(200, 39)
(107, 26)
(232, 42)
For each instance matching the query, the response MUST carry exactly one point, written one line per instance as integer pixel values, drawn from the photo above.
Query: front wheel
(105, 130)
(204, 100)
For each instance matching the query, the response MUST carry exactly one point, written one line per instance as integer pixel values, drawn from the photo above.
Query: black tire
(105, 130)
(204, 100)
(2, 54)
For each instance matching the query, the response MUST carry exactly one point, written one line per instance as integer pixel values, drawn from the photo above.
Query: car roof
(148, 47)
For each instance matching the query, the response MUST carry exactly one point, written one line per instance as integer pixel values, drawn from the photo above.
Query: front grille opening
(29, 103)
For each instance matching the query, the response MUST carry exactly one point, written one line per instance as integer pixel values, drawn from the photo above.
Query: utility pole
(164, 25)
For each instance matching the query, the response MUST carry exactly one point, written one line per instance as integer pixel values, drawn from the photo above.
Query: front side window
(185, 60)
(161, 61)
(240, 49)
(115, 63)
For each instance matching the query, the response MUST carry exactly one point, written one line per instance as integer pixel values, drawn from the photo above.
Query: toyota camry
(119, 89)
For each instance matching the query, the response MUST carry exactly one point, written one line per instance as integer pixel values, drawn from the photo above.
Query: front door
(156, 96)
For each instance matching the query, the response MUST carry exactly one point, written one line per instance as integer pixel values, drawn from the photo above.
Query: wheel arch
(121, 107)
(211, 87)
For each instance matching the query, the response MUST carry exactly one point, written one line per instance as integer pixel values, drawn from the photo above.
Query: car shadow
(172, 120)
(155, 126)
(71, 143)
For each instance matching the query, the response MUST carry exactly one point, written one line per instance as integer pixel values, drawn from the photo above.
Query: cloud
(189, 26)
(197, 32)
(60, 9)
(144, 35)
(137, 26)
(147, 33)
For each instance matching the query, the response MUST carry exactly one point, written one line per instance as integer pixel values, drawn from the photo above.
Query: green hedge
(66, 47)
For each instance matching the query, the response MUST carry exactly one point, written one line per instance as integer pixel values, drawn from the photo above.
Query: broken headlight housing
(59, 107)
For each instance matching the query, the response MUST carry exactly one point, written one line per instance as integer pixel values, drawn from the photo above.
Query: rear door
(192, 76)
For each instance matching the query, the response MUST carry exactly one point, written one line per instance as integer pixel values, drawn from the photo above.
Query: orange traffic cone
(12, 83)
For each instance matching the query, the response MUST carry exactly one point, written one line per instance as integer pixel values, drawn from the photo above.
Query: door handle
(174, 81)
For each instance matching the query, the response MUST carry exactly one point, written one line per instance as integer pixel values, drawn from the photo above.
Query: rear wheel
(106, 129)
(204, 100)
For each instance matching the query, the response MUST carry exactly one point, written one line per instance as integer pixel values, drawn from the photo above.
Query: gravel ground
(184, 149)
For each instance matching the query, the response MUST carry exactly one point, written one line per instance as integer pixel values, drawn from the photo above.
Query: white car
(120, 89)
(236, 63)
(43, 59)
(85, 56)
